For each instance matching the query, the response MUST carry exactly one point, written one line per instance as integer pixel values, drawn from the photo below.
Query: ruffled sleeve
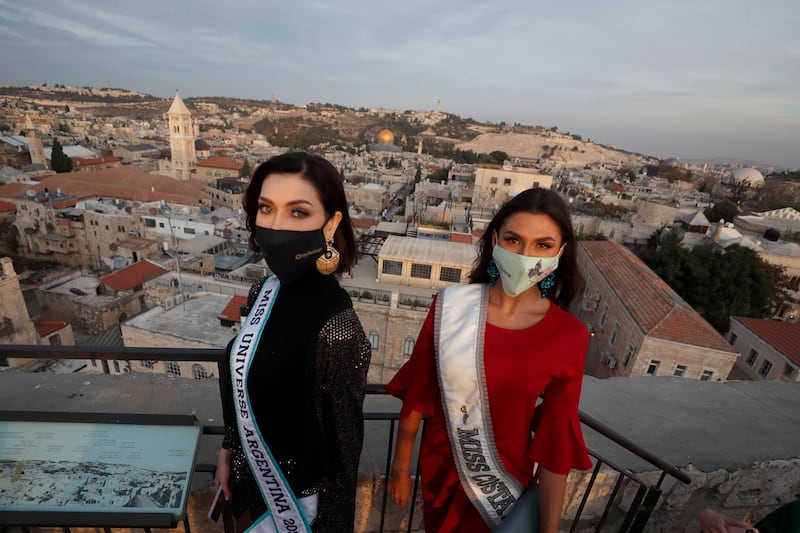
(558, 443)
(416, 382)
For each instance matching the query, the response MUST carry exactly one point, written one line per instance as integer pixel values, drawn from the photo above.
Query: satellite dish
(30, 193)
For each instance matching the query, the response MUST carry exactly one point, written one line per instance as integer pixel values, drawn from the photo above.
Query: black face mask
(288, 253)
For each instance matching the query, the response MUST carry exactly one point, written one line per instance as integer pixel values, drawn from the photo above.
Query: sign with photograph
(48, 466)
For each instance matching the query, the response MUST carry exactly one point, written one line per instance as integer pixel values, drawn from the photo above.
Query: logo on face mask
(290, 254)
(521, 272)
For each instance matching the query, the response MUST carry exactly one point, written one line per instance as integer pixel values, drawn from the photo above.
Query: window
(373, 339)
(766, 366)
(55, 339)
(652, 367)
(507, 181)
(198, 372)
(173, 368)
(493, 180)
(420, 271)
(733, 338)
(604, 317)
(535, 185)
(706, 375)
(751, 357)
(116, 366)
(160, 224)
(94, 362)
(450, 274)
(148, 364)
(789, 372)
(395, 268)
(614, 332)
(628, 356)
(408, 346)
(190, 231)
(680, 370)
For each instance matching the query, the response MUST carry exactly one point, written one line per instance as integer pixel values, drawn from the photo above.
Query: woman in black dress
(293, 383)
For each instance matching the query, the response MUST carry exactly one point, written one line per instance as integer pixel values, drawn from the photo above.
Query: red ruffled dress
(520, 365)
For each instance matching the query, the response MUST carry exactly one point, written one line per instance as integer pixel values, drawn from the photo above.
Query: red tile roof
(124, 183)
(364, 223)
(783, 336)
(46, 327)
(659, 310)
(136, 274)
(84, 161)
(461, 237)
(231, 311)
(7, 207)
(219, 161)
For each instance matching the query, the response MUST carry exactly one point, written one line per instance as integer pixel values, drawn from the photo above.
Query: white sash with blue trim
(459, 335)
(285, 512)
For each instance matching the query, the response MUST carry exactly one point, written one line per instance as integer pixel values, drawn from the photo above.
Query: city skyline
(690, 80)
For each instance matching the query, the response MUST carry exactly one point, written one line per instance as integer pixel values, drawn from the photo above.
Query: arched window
(198, 372)
(173, 368)
(373, 339)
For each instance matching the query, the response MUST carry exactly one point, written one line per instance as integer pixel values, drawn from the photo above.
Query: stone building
(181, 323)
(372, 197)
(392, 326)
(639, 326)
(212, 169)
(496, 184)
(83, 218)
(770, 349)
(16, 326)
(424, 263)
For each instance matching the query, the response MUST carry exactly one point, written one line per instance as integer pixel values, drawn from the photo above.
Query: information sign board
(103, 464)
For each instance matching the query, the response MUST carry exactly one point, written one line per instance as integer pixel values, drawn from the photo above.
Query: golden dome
(386, 137)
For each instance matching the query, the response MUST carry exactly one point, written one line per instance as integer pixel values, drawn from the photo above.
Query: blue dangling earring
(547, 283)
(492, 272)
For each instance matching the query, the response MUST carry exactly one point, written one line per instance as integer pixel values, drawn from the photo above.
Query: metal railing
(630, 520)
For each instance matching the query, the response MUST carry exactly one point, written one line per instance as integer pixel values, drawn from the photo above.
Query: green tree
(418, 175)
(497, 157)
(725, 210)
(59, 161)
(245, 171)
(717, 283)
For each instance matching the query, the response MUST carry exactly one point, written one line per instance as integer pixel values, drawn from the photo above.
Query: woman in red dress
(531, 347)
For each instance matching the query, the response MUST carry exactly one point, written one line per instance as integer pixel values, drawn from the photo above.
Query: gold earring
(328, 262)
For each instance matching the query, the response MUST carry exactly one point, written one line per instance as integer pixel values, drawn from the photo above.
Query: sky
(681, 78)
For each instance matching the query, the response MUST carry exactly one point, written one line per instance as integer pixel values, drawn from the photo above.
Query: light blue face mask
(521, 272)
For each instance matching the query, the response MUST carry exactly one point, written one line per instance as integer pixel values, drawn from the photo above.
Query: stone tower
(181, 139)
(16, 326)
(35, 147)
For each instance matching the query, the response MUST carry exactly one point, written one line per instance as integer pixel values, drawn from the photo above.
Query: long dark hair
(568, 279)
(330, 186)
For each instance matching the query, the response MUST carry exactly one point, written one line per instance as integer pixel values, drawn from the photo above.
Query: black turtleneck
(284, 378)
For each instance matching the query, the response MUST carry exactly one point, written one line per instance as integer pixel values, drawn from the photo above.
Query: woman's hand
(712, 522)
(223, 475)
(399, 486)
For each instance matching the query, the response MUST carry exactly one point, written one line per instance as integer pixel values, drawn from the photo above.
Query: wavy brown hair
(329, 184)
(568, 279)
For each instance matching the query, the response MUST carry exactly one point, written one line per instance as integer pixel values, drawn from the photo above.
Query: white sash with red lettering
(285, 512)
(459, 335)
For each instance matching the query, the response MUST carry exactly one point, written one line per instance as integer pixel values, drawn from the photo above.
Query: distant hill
(320, 125)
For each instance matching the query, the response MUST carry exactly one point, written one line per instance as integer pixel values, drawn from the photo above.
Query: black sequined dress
(306, 383)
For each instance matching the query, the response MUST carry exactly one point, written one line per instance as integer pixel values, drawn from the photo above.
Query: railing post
(649, 504)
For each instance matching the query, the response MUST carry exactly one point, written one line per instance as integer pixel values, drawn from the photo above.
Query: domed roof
(748, 176)
(386, 137)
